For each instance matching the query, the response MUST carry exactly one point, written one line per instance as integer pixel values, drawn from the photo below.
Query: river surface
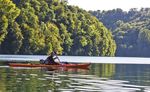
(98, 77)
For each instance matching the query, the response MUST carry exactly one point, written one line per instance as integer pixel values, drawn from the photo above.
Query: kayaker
(50, 59)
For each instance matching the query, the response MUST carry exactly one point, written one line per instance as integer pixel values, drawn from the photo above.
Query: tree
(144, 42)
(44, 26)
(52, 39)
(8, 14)
(130, 30)
(33, 41)
(13, 40)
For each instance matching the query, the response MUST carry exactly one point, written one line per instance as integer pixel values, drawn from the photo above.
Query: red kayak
(44, 65)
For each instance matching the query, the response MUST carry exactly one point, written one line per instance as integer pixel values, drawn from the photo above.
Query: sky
(110, 4)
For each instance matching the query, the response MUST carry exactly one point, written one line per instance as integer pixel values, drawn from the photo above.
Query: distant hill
(42, 26)
(131, 30)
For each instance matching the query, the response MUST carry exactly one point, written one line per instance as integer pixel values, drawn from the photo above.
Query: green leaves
(13, 40)
(3, 27)
(43, 26)
(130, 30)
(52, 36)
(8, 13)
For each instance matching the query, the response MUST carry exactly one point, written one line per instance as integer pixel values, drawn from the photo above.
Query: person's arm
(55, 57)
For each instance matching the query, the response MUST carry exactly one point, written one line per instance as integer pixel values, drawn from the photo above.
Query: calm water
(98, 78)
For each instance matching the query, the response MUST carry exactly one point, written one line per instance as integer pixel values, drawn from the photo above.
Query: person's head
(52, 54)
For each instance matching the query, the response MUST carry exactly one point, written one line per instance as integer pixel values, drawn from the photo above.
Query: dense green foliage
(131, 30)
(8, 13)
(43, 26)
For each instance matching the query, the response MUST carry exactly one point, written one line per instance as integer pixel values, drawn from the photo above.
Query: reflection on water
(99, 78)
(136, 74)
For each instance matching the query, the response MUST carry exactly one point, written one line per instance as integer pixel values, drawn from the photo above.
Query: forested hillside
(131, 30)
(41, 26)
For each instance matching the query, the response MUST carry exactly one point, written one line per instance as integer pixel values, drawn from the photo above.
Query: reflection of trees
(136, 74)
(34, 80)
(2, 80)
(103, 70)
(25, 81)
